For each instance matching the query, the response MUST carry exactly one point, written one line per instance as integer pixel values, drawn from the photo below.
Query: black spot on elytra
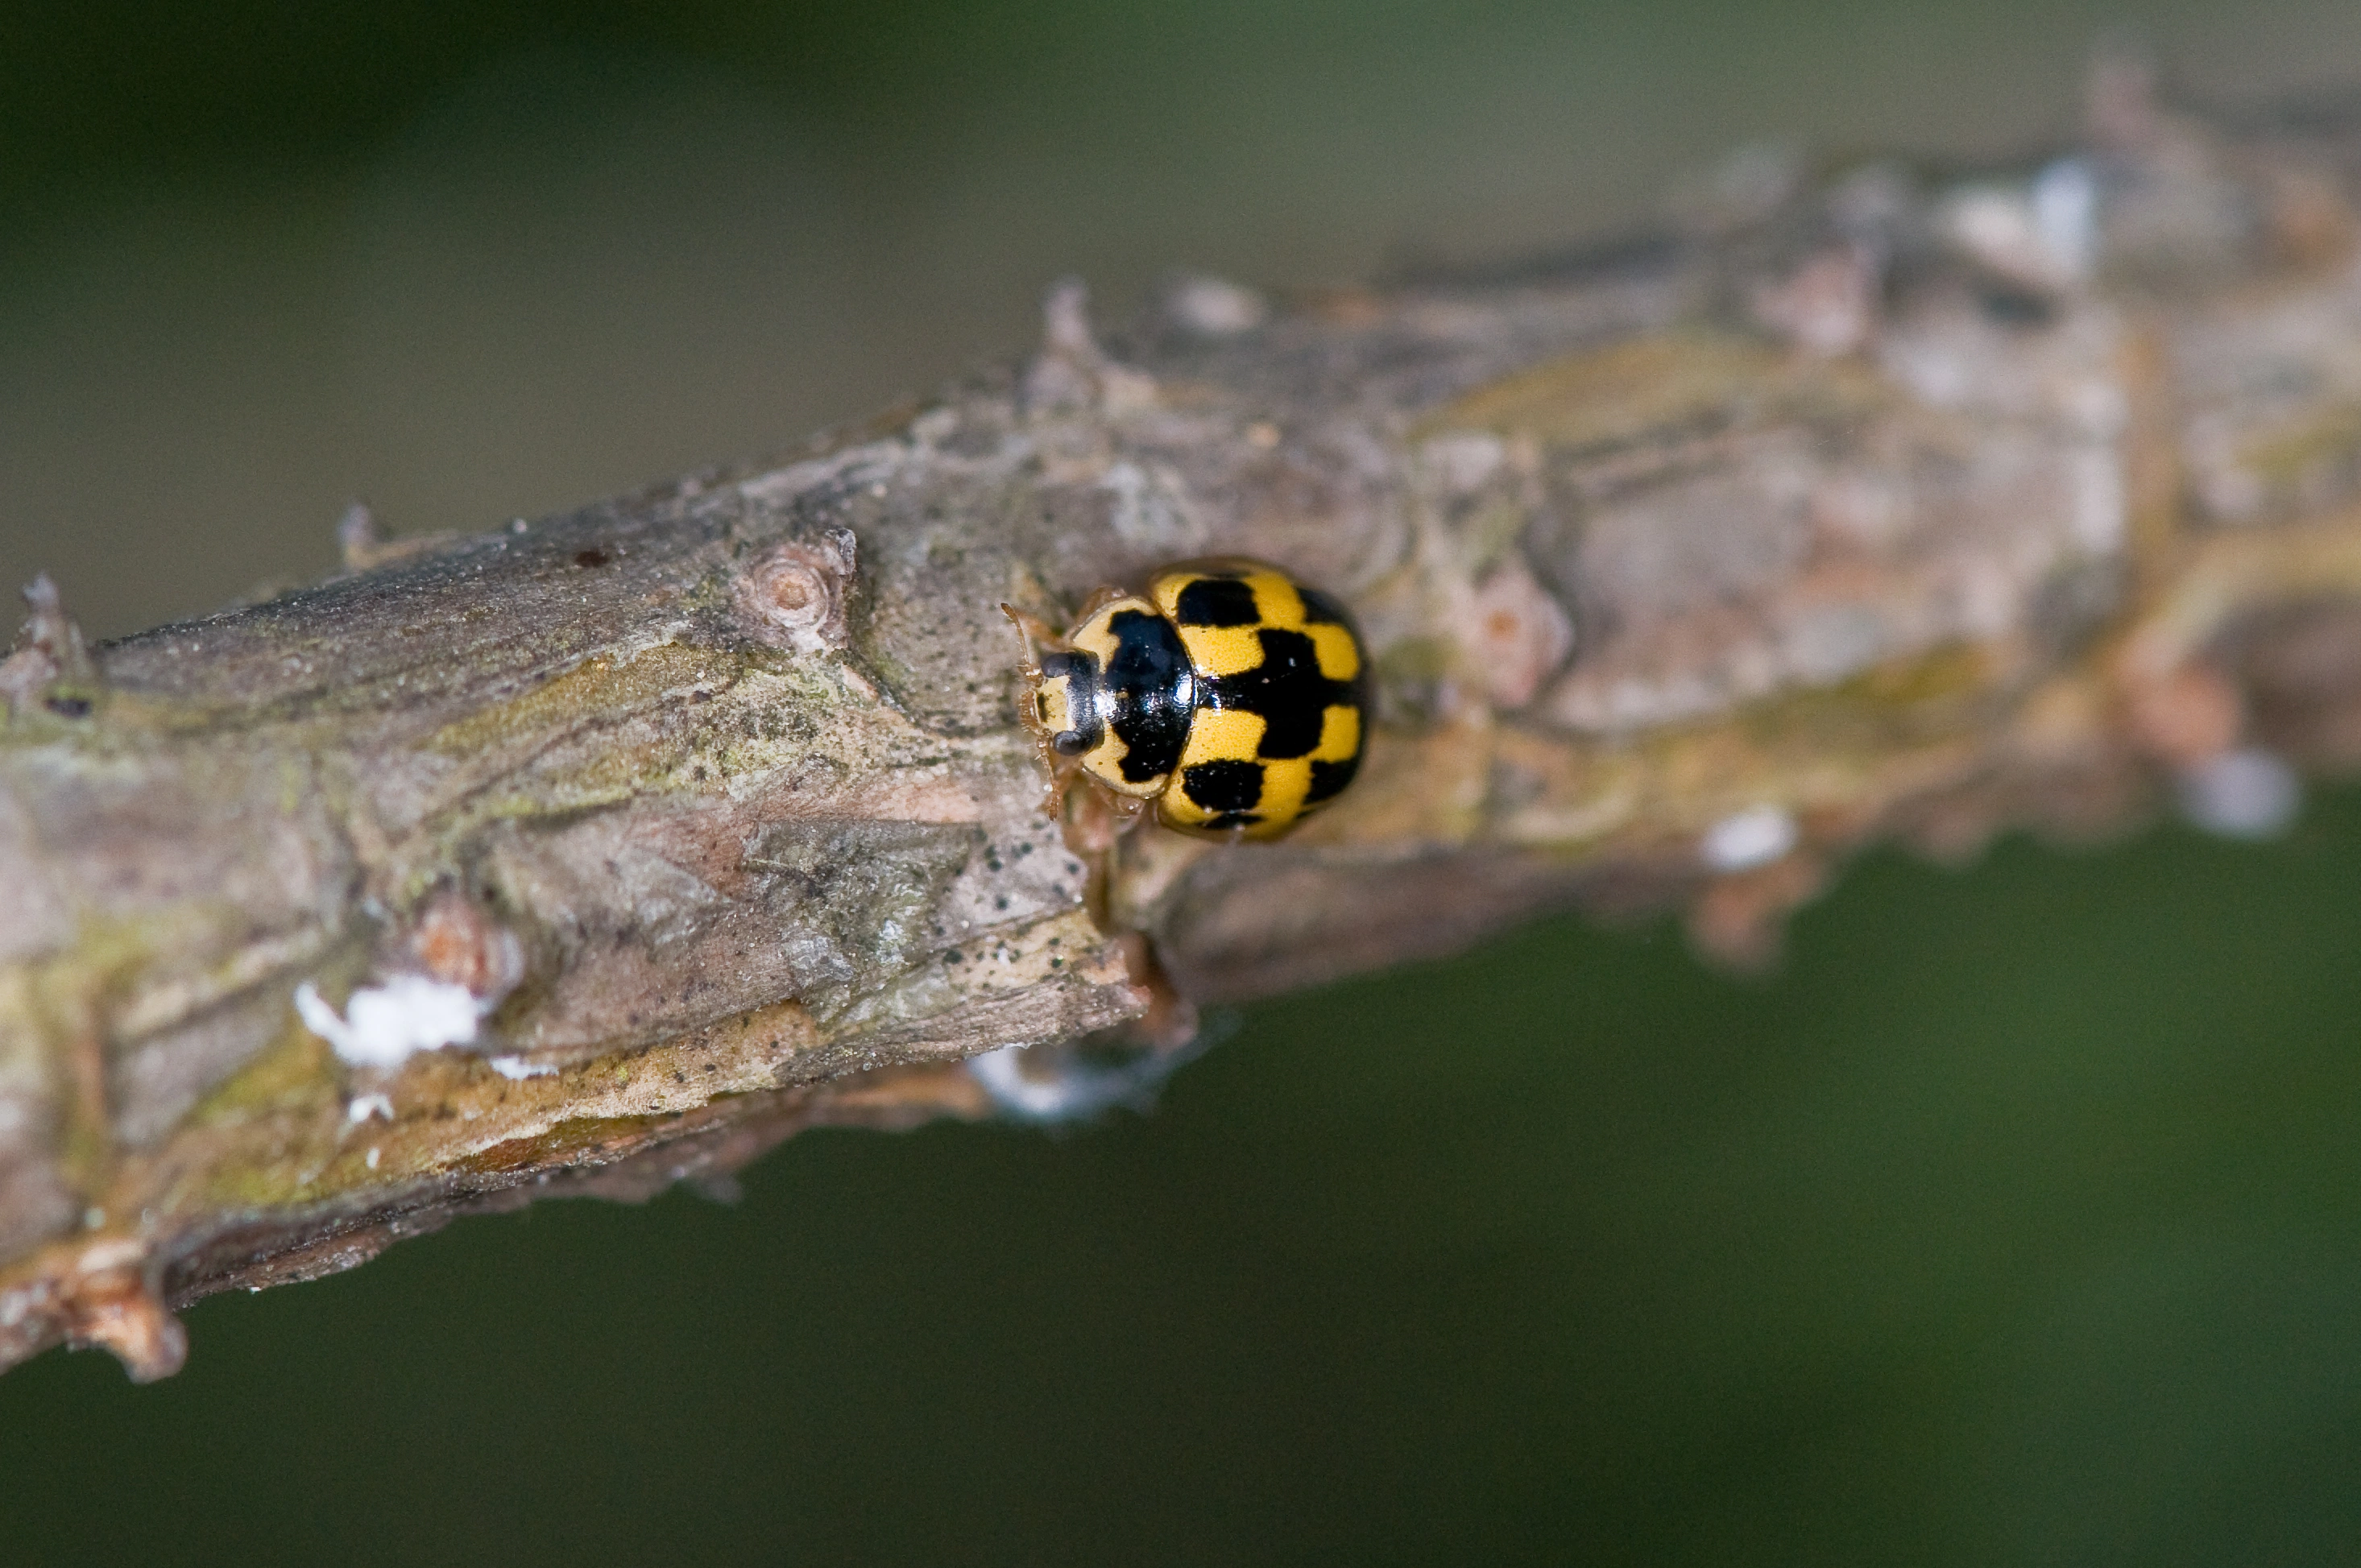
(1319, 609)
(1216, 601)
(1287, 690)
(1329, 779)
(1224, 787)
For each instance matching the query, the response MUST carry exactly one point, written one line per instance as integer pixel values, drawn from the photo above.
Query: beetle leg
(1092, 820)
(1169, 1024)
(1061, 772)
(1031, 629)
(1096, 818)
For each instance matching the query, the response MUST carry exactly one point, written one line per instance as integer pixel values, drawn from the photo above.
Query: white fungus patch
(1014, 1092)
(1077, 1091)
(2044, 236)
(383, 1025)
(1214, 307)
(1755, 837)
(516, 1067)
(2100, 508)
(2066, 216)
(364, 1107)
(2243, 794)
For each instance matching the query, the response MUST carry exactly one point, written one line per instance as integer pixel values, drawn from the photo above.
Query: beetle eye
(1067, 742)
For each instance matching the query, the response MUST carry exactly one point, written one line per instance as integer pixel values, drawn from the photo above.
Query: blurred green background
(2016, 1219)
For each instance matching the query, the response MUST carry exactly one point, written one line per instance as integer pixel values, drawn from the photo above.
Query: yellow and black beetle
(1230, 695)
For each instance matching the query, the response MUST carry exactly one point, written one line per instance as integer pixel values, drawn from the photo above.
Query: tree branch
(601, 853)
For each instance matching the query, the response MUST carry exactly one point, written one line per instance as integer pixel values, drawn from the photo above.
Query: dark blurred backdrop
(2017, 1219)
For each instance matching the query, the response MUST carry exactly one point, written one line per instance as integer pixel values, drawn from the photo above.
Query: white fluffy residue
(383, 1025)
(1754, 837)
(2066, 216)
(1077, 1091)
(514, 1067)
(1047, 1100)
(364, 1107)
(2045, 236)
(2245, 794)
(2101, 507)
(1214, 307)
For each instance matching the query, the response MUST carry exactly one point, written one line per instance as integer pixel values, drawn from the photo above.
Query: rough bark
(1867, 502)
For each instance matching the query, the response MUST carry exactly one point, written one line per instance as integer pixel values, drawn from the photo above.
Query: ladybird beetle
(1228, 694)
